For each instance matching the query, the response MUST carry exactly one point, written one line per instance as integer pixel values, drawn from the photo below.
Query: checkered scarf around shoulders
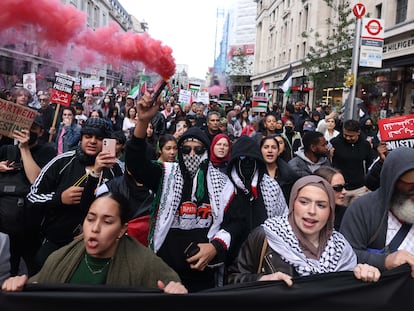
(169, 196)
(338, 254)
(273, 198)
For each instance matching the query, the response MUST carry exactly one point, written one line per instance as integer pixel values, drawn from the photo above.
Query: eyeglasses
(339, 188)
(197, 149)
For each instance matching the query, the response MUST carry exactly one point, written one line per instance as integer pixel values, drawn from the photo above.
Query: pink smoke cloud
(60, 31)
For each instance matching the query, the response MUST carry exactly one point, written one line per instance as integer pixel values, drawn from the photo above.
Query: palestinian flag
(260, 100)
(286, 83)
(261, 88)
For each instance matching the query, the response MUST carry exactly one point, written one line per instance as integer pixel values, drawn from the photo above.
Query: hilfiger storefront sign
(398, 48)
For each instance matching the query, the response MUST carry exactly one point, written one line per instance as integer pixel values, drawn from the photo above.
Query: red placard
(62, 89)
(59, 97)
(396, 128)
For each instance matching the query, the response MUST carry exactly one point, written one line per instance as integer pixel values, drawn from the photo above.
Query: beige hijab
(307, 247)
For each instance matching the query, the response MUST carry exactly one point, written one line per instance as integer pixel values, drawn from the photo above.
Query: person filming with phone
(58, 189)
(190, 198)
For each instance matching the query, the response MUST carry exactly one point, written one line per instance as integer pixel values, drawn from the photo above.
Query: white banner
(184, 97)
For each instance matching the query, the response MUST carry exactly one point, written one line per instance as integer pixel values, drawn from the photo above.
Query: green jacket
(132, 265)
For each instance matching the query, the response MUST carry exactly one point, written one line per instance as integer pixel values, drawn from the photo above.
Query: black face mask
(246, 169)
(33, 138)
(288, 129)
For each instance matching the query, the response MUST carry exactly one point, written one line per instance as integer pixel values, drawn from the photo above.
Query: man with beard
(378, 225)
(190, 198)
(312, 155)
(20, 165)
(58, 189)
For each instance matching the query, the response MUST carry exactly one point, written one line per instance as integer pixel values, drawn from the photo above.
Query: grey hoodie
(365, 221)
(303, 166)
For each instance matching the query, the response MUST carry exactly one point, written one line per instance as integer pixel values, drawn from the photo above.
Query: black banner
(331, 291)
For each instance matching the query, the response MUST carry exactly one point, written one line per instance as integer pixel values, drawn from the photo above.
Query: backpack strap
(398, 238)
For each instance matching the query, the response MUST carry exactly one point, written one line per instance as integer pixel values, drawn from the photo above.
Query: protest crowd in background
(292, 141)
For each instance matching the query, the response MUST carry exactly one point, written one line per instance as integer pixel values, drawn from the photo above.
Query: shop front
(391, 88)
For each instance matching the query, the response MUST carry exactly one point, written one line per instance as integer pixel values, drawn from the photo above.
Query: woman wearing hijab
(301, 243)
(220, 152)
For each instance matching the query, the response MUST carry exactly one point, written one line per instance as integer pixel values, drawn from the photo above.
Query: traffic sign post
(350, 109)
(372, 41)
(359, 10)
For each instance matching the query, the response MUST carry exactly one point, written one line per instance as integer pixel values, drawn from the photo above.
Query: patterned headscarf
(308, 248)
(334, 252)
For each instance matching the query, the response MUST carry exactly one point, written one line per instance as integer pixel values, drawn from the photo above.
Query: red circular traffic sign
(373, 27)
(359, 10)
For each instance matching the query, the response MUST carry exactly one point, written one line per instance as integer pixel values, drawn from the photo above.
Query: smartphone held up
(109, 145)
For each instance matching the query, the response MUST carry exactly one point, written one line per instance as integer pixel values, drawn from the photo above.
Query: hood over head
(193, 133)
(246, 146)
(397, 162)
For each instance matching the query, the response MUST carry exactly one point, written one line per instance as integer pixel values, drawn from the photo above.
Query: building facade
(393, 83)
(234, 64)
(279, 44)
(23, 55)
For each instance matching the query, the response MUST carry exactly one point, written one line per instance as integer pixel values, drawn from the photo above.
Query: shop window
(401, 14)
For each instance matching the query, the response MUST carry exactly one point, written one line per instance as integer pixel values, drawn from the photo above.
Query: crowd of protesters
(209, 189)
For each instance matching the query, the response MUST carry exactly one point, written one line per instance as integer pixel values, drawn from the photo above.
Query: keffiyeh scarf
(169, 196)
(338, 254)
(272, 194)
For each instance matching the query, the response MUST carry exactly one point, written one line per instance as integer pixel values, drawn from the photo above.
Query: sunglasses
(197, 149)
(339, 188)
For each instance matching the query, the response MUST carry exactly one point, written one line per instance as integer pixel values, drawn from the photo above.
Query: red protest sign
(396, 128)
(62, 89)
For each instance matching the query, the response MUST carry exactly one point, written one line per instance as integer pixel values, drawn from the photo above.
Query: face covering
(192, 163)
(32, 139)
(246, 169)
(288, 129)
(233, 119)
(107, 101)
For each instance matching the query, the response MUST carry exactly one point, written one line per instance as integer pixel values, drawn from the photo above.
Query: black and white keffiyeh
(273, 197)
(272, 194)
(337, 255)
(219, 190)
(192, 162)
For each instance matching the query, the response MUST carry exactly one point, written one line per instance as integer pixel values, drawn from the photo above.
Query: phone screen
(109, 145)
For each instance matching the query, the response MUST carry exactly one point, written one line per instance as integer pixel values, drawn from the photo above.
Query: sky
(187, 26)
